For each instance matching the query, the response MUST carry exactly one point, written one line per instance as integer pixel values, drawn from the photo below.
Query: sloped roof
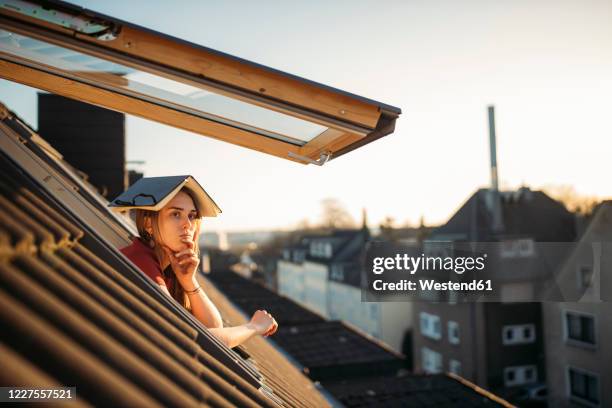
(592, 250)
(352, 247)
(331, 350)
(345, 244)
(290, 385)
(354, 368)
(524, 213)
(431, 391)
(249, 297)
(326, 349)
(75, 313)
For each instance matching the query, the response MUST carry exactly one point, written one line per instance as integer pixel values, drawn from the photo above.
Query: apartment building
(323, 272)
(497, 345)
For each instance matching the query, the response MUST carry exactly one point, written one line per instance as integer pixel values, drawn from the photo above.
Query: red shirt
(144, 257)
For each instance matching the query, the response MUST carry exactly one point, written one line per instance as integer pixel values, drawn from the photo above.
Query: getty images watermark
(411, 265)
(513, 270)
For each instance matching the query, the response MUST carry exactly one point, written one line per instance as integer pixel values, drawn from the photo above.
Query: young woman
(167, 251)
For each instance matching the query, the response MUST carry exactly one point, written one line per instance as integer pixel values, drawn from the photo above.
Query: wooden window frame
(352, 121)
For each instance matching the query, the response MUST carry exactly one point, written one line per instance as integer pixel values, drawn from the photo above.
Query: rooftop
(75, 312)
(358, 370)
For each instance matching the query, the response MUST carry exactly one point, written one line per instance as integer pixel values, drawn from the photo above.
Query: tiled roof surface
(250, 297)
(326, 349)
(75, 313)
(357, 370)
(432, 391)
(290, 385)
(332, 350)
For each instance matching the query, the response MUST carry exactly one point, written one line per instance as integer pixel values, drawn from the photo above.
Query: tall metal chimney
(494, 199)
(494, 184)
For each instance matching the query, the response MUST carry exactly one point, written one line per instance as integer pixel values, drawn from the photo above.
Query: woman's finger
(272, 325)
(191, 260)
(275, 328)
(185, 257)
(184, 252)
(272, 328)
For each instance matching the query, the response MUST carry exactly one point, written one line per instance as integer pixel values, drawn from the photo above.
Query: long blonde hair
(154, 240)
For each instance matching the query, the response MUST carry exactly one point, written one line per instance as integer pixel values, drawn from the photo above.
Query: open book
(153, 193)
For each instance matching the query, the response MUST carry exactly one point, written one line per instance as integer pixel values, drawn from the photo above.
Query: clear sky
(545, 65)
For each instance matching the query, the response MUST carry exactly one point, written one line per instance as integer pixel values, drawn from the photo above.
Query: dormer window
(327, 250)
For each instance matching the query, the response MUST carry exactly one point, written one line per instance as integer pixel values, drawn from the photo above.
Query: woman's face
(177, 221)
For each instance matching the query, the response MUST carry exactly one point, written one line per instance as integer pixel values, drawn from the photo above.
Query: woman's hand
(263, 323)
(184, 264)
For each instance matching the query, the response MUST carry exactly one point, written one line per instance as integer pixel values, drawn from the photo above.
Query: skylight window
(148, 74)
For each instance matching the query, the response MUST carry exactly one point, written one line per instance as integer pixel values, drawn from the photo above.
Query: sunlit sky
(545, 65)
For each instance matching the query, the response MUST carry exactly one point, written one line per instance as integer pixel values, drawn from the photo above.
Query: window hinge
(323, 158)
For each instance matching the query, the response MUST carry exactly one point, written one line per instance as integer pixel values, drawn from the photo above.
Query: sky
(545, 65)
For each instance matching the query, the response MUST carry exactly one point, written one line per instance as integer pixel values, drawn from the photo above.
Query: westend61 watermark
(514, 270)
(412, 265)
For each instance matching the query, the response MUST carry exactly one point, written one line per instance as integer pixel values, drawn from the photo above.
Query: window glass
(158, 89)
(580, 327)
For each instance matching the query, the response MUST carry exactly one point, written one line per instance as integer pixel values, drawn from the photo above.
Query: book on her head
(153, 193)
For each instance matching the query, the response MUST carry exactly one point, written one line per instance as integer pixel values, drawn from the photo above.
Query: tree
(302, 225)
(386, 228)
(573, 201)
(334, 215)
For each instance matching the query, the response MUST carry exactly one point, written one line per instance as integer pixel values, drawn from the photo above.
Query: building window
(585, 274)
(430, 326)
(432, 361)
(337, 272)
(518, 334)
(520, 375)
(453, 332)
(517, 248)
(373, 311)
(580, 328)
(583, 386)
(454, 366)
(525, 247)
(299, 256)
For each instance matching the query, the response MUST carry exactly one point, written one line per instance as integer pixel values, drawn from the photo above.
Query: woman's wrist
(194, 291)
(252, 327)
(190, 285)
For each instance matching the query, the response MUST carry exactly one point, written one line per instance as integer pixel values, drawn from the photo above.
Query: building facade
(323, 273)
(495, 344)
(578, 333)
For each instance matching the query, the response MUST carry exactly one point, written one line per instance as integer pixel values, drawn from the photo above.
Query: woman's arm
(234, 336)
(203, 308)
(261, 323)
(185, 263)
(205, 311)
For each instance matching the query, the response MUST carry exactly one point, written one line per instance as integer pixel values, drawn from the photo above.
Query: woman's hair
(155, 240)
